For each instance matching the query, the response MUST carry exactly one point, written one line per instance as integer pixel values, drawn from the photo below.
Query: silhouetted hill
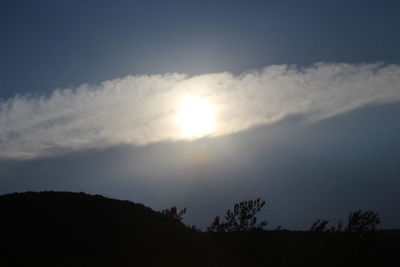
(70, 229)
(76, 229)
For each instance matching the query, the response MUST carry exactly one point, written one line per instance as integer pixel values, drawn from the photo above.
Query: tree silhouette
(123, 233)
(359, 221)
(319, 226)
(241, 219)
(174, 214)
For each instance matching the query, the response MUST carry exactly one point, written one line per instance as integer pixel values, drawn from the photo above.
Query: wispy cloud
(139, 110)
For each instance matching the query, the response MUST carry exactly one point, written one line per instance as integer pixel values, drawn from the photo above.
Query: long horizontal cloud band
(139, 110)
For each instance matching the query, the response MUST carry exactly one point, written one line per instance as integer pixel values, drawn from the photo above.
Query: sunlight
(195, 117)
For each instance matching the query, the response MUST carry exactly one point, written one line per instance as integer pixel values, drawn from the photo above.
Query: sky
(201, 104)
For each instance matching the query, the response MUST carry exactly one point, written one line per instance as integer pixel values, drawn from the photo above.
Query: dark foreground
(76, 229)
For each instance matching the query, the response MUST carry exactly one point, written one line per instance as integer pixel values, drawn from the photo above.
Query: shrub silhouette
(174, 214)
(241, 219)
(319, 226)
(359, 221)
(75, 229)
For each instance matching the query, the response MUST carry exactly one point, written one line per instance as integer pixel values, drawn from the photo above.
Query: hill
(77, 229)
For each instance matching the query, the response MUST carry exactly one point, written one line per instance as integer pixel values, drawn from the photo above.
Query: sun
(195, 117)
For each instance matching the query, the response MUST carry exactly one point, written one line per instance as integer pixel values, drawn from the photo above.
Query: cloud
(140, 110)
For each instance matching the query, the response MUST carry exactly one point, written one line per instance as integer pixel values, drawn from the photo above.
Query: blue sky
(327, 146)
(66, 43)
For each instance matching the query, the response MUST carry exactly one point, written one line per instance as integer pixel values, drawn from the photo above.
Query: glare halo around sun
(195, 117)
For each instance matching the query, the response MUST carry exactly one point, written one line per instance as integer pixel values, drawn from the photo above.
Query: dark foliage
(359, 221)
(241, 219)
(319, 226)
(174, 214)
(76, 229)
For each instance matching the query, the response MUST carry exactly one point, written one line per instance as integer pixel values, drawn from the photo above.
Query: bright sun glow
(195, 117)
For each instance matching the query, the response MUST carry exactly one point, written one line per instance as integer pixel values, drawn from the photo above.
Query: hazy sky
(305, 99)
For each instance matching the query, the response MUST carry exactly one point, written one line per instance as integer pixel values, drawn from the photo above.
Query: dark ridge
(77, 229)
